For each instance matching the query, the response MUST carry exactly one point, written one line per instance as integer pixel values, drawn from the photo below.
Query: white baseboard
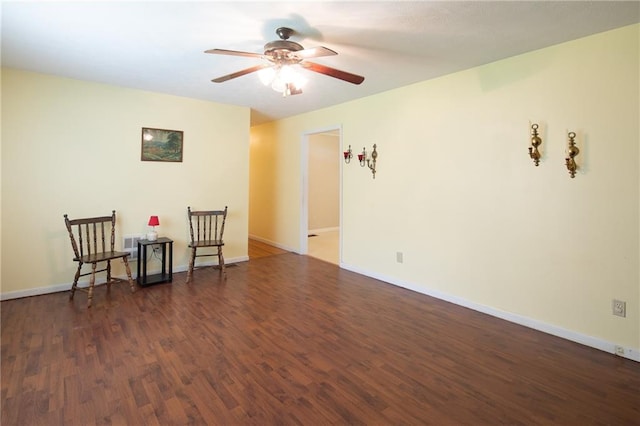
(323, 230)
(603, 345)
(271, 243)
(38, 291)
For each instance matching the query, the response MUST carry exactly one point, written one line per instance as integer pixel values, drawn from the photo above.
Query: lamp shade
(153, 221)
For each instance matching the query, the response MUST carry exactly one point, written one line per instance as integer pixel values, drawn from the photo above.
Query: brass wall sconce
(347, 155)
(535, 143)
(572, 151)
(371, 162)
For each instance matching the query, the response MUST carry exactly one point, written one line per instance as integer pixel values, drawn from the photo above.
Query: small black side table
(164, 275)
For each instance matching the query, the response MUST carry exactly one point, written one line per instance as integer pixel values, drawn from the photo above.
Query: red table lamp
(153, 235)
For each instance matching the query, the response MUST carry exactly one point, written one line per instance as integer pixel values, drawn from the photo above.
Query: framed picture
(162, 145)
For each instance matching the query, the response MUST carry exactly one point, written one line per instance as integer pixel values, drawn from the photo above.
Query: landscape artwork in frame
(161, 145)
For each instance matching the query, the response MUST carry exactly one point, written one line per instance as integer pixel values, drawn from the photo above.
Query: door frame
(304, 189)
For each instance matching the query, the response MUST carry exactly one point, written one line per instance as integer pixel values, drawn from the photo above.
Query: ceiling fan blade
(240, 73)
(332, 72)
(233, 53)
(315, 52)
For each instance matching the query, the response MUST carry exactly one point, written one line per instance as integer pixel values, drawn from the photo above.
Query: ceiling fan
(281, 58)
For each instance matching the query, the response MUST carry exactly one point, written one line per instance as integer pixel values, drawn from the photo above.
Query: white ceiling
(158, 45)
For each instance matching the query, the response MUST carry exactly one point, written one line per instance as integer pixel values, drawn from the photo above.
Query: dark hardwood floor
(292, 340)
(259, 249)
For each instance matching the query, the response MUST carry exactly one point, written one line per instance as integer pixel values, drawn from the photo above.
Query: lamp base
(152, 236)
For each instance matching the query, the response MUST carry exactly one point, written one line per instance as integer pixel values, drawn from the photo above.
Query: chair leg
(191, 263)
(128, 269)
(221, 263)
(108, 275)
(75, 281)
(92, 282)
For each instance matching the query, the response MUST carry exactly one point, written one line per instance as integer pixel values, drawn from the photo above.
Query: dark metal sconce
(347, 155)
(535, 143)
(371, 163)
(362, 157)
(572, 151)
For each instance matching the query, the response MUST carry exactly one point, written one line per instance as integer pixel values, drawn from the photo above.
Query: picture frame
(161, 145)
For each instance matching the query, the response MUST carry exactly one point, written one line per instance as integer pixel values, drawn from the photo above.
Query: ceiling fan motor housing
(281, 49)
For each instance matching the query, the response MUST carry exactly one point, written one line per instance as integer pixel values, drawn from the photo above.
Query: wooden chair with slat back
(93, 242)
(206, 228)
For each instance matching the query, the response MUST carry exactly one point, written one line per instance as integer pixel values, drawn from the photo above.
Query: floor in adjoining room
(324, 246)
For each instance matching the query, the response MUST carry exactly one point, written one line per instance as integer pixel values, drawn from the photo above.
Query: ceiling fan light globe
(291, 75)
(299, 82)
(278, 84)
(267, 75)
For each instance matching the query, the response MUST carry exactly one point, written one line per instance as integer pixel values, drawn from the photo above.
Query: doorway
(321, 212)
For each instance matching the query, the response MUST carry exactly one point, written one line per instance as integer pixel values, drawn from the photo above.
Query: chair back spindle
(207, 225)
(92, 234)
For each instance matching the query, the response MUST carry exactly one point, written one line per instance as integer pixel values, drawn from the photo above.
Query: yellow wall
(323, 185)
(457, 194)
(73, 147)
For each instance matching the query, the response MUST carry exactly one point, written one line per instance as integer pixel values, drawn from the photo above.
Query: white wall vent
(130, 245)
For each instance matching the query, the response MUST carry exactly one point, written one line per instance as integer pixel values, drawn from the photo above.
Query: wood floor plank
(260, 249)
(292, 340)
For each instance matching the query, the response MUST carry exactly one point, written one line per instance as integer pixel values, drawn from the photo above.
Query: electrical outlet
(619, 308)
(620, 350)
(399, 257)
